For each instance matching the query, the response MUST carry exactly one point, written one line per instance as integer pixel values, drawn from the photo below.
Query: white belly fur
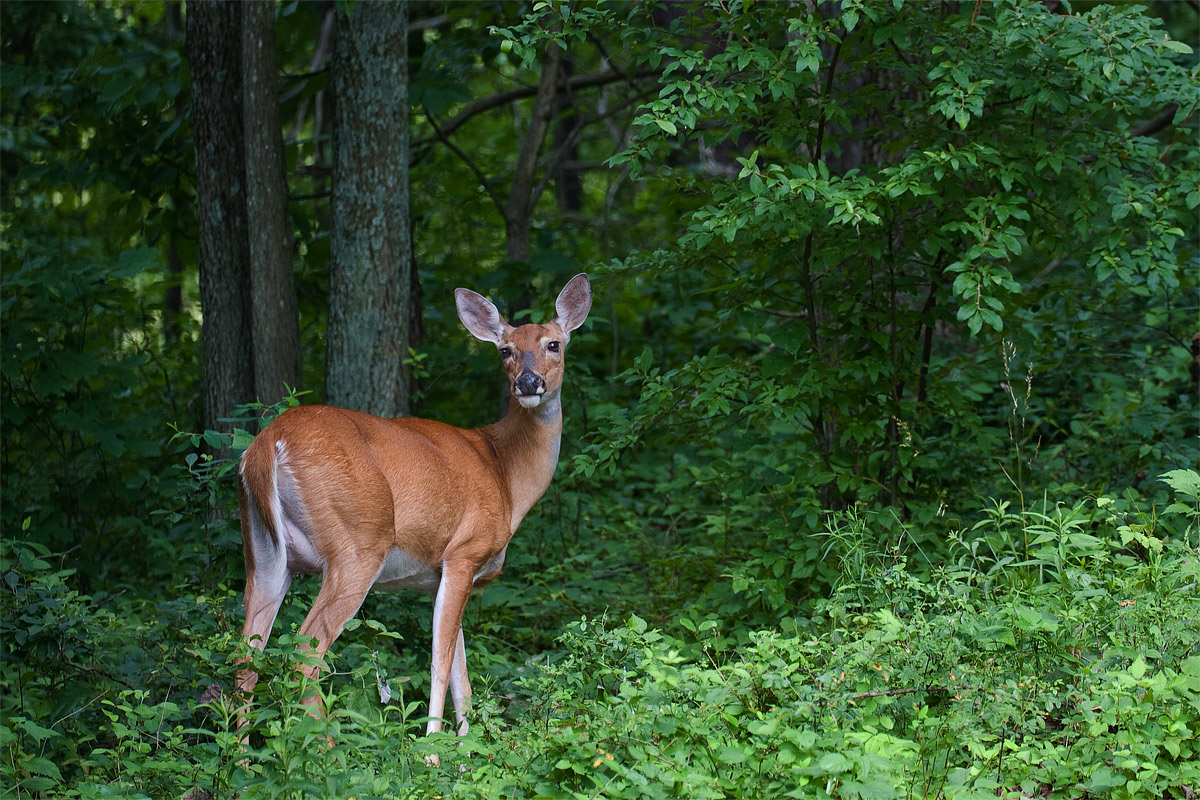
(402, 570)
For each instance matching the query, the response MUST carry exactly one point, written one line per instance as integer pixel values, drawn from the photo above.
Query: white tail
(368, 502)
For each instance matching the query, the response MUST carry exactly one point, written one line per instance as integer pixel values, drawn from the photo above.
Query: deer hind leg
(264, 596)
(267, 582)
(344, 586)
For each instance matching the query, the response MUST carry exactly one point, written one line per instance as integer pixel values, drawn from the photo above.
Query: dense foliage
(1053, 651)
(879, 469)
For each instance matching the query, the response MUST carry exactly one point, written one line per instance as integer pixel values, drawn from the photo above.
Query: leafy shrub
(1044, 659)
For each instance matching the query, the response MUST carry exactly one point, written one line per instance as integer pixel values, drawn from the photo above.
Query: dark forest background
(879, 467)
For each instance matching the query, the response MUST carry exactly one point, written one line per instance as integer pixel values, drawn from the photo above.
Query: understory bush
(1053, 653)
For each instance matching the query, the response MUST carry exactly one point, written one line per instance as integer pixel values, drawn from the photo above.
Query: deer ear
(573, 303)
(479, 316)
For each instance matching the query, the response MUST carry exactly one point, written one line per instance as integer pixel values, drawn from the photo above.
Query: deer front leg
(460, 685)
(449, 653)
(453, 592)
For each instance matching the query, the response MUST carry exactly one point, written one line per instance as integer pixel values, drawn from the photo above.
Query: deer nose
(528, 383)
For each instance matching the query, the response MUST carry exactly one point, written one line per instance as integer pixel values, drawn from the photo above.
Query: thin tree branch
(779, 312)
(62, 656)
(599, 45)
(322, 171)
(1041, 276)
(482, 104)
(64, 717)
(1160, 330)
(1146, 129)
(317, 66)
(1158, 123)
(483, 181)
(428, 23)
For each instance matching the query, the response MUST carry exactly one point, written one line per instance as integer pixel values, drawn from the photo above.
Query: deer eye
(553, 347)
(505, 353)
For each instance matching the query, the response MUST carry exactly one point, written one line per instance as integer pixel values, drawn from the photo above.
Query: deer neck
(526, 442)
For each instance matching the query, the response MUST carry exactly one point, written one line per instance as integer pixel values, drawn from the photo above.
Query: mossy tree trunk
(276, 327)
(213, 42)
(370, 282)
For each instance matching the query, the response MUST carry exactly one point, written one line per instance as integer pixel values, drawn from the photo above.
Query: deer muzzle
(529, 388)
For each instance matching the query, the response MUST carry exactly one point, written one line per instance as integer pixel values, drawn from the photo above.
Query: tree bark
(214, 54)
(371, 244)
(275, 324)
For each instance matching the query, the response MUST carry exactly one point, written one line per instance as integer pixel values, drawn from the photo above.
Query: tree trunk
(173, 293)
(214, 55)
(566, 181)
(521, 198)
(371, 245)
(275, 324)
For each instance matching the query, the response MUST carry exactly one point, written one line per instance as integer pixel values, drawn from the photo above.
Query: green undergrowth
(1053, 653)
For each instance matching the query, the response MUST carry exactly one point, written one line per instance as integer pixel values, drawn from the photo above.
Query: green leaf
(42, 766)
(834, 764)
(1103, 780)
(1182, 480)
(117, 88)
(242, 439)
(36, 732)
(729, 755)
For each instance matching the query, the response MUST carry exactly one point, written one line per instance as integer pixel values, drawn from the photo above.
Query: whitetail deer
(405, 503)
